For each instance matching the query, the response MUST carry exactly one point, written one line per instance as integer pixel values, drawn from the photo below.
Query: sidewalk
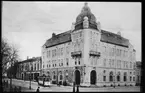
(23, 89)
(24, 85)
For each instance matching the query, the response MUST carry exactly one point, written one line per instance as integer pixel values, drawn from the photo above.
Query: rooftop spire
(86, 4)
(86, 8)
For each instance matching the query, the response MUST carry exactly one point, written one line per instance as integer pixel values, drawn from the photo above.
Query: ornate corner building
(88, 55)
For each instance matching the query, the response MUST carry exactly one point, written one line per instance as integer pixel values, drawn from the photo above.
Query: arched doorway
(77, 77)
(93, 77)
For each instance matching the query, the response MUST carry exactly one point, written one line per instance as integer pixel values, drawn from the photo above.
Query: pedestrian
(77, 88)
(38, 89)
(73, 87)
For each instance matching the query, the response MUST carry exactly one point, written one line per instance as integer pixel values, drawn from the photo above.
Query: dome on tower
(86, 12)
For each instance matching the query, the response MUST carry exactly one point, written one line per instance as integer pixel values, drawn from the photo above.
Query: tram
(44, 81)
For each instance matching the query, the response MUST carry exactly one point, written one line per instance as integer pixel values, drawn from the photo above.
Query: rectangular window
(133, 78)
(61, 51)
(113, 52)
(110, 62)
(79, 61)
(130, 64)
(119, 63)
(47, 54)
(43, 66)
(38, 66)
(104, 62)
(67, 61)
(75, 62)
(104, 78)
(126, 64)
(55, 52)
(120, 52)
(113, 63)
(130, 78)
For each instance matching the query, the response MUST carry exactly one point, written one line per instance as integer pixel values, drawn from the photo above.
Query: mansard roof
(59, 39)
(106, 36)
(113, 38)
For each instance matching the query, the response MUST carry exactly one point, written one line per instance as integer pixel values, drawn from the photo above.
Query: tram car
(44, 81)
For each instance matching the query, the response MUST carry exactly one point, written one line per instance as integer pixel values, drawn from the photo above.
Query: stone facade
(29, 68)
(90, 55)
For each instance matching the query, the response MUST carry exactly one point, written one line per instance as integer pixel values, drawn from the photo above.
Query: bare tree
(9, 54)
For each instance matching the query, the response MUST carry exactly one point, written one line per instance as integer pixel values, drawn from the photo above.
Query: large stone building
(88, 55)
(30, 67)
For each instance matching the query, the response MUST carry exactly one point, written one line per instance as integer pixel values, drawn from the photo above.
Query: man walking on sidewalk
(37, 89)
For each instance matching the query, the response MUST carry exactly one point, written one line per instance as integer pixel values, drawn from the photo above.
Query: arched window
(130, 78)
(48, 73)
(118, 76)
(61, 77)
(111, 76)
(125, 76)
(54, 77)
(133, 78)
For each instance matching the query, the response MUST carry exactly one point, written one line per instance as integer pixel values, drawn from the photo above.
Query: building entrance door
(93, 77)
(77, 77)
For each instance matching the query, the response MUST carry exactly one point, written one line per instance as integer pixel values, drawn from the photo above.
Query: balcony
(76, 53)
(94, 53)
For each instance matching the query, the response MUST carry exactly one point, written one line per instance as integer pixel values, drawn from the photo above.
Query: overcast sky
(30, 24)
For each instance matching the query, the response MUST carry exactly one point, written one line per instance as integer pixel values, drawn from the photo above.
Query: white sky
(30, 24)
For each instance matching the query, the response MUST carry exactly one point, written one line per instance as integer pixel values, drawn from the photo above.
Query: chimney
(73, 26)
(119, 33)
(53, 34)
(27, 57)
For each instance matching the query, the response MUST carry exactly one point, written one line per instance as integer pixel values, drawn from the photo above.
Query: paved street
(55, 88)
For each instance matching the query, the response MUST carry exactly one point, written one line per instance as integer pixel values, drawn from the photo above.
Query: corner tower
(85, 43)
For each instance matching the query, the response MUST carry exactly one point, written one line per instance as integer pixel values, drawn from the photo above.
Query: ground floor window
(133, 78)
(118, 78)
(104, 78)
(61, 77)
(138, 78)
(111, 76)
(54, 77)
(125, 76)
(130, 78)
